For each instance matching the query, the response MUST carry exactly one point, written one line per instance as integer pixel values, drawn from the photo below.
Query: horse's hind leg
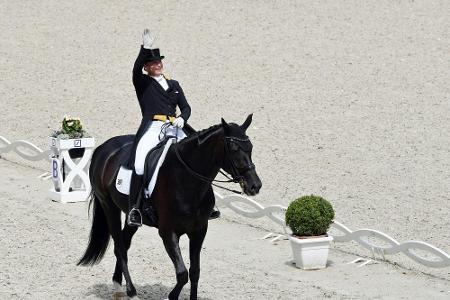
(171, 242)
(127, 235)
(195, 246)
(120, 250)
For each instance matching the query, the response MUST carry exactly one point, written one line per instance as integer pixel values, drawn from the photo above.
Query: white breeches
(150, 139)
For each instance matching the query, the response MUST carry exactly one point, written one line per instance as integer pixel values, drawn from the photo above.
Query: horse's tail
(99, 237)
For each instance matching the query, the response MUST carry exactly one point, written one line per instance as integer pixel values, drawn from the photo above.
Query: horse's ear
(225, 126)
(247, 122)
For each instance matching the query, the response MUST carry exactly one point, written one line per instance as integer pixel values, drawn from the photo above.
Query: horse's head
(238, 156)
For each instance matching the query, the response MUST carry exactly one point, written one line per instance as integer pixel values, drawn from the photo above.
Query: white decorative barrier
(362, 236)
(24, 149)
(436, 258)
(274, 212)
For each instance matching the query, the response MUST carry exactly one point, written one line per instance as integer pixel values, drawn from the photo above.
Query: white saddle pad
(123, 180)
(124, 176)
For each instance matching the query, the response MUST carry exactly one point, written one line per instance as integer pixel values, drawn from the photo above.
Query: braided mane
(208, 130)
(203, 134)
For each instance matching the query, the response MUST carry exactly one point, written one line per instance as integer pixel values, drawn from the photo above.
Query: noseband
(233, 143)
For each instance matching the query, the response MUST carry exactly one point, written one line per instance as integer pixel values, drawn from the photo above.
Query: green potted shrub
(309, 218)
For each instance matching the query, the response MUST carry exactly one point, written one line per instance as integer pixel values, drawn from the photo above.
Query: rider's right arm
(138, 76)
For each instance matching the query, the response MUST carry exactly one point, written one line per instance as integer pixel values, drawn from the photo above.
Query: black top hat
(152, 55)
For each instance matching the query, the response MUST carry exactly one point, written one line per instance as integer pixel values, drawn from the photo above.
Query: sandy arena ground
(42, 241)
(351, 101)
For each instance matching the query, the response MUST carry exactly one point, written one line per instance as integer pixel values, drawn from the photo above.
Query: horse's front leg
(195, 246)
(171, 242)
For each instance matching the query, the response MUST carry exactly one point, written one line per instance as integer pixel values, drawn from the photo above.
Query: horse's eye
(247, 147)
(234, 147)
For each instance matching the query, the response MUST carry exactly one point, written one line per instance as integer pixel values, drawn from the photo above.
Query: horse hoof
(119, 296)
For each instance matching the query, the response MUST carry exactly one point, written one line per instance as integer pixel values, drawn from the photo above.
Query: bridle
(236, 173)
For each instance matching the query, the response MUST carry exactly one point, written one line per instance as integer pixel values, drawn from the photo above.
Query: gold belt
(163, 118)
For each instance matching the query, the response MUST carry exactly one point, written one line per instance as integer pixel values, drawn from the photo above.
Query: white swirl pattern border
(24, 149)
(276, 214)
(436, 258)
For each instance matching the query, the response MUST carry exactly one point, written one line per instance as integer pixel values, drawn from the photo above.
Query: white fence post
(70, 172)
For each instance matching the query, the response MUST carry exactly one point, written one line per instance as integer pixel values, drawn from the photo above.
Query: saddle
(153, 162)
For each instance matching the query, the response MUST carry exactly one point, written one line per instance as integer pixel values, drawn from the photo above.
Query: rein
(207, 179)
(204, 178)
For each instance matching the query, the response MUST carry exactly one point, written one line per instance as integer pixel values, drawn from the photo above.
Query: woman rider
(158, 98)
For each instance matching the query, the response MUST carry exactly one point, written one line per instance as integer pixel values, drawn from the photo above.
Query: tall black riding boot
(134, 214)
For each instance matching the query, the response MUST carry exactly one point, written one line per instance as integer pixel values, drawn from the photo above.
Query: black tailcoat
(154, 100)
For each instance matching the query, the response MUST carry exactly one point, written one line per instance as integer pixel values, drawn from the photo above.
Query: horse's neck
(205, 157)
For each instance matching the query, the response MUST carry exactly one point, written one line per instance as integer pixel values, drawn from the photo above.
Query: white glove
(179, 122)
(147, 39)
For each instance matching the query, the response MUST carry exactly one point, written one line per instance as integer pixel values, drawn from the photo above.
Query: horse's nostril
(255, 188)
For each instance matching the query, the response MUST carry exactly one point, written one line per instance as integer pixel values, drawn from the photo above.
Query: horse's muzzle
(252, 187)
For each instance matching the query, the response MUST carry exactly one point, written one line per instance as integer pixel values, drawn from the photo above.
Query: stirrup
(132, 223)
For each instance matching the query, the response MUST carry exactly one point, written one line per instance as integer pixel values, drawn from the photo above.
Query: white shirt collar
(162, 81)
(158, 78)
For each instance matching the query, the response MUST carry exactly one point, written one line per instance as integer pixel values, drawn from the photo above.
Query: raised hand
(147, 39)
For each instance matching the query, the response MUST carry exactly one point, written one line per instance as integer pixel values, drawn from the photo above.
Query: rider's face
(154, 68)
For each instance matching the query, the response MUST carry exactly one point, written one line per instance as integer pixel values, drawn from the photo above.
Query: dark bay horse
(183, 197)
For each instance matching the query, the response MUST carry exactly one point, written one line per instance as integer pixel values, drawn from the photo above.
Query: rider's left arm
(183, 104)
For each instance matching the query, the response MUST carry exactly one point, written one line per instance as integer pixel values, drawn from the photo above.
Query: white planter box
(71, 143)
(70, 175)
(310, 253)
